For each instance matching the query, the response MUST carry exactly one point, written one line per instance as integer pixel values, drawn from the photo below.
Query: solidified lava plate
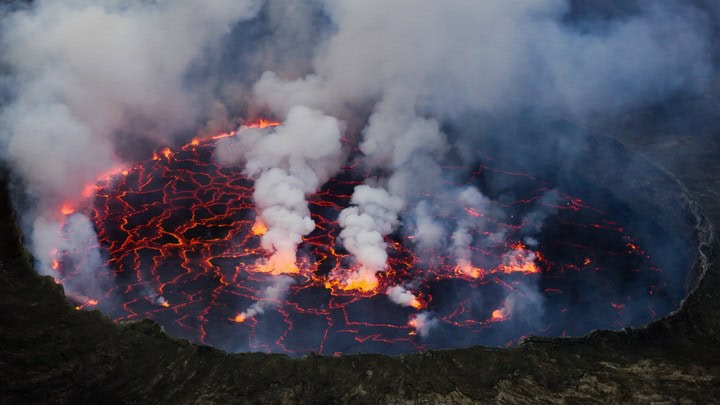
(181, 245)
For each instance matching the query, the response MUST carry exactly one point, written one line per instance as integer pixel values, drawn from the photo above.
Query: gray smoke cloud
(402, 296)
(91, 278)
(421, 63)
(423, 323)
(86, 71)
(271, 297)
(497, 56)
(83, 74)
(87, 78)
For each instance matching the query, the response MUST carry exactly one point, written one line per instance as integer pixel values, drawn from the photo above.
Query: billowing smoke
(287, 164)
(373, 215)
(426, 62)
(272, 296)
(91, 278)
(423, 323)
(85, 76)
(86, 82)
(401, 296)
(462, 239)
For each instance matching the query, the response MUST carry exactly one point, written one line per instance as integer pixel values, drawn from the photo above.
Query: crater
(593, 240)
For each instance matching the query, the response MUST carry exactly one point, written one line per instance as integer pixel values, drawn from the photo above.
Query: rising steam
(288, 163)
(86, 81)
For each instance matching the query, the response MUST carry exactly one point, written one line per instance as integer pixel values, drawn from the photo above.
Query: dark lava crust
(50, 352)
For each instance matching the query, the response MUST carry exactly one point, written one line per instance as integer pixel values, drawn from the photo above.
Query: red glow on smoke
(66, 209)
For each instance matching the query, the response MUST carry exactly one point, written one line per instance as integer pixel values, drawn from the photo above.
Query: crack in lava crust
(181, 243)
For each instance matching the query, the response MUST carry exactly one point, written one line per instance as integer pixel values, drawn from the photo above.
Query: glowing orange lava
(263, 123)
(520, 260)
(259, 228)
(183, 228)
(362, 280)
(278, 264)
(467, 269)
(498, 315)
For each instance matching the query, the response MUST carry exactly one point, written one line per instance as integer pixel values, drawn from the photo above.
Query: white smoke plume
(493, 55)
(472, 200)
(372, 216)
(79, 243)
(423, 323)
(271, 297)
(421, 62)
(87, 78)
(429, 233)
(287, 163)
(88, 73)
(401, 296)
(525, 304)
(393, 140)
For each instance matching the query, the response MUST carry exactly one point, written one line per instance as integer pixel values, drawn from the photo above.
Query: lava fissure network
(179, 241)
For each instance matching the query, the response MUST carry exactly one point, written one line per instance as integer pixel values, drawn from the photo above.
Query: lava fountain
(180, 240)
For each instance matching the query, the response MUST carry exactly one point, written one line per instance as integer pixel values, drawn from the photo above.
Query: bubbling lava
(182, 246)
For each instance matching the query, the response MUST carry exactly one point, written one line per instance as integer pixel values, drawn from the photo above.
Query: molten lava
(180, 229)
(259, 228)
(498, 315)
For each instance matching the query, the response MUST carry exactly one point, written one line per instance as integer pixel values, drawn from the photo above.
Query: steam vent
(359, 202)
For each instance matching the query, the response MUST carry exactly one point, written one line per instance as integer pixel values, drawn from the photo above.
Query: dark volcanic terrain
(49, 352)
